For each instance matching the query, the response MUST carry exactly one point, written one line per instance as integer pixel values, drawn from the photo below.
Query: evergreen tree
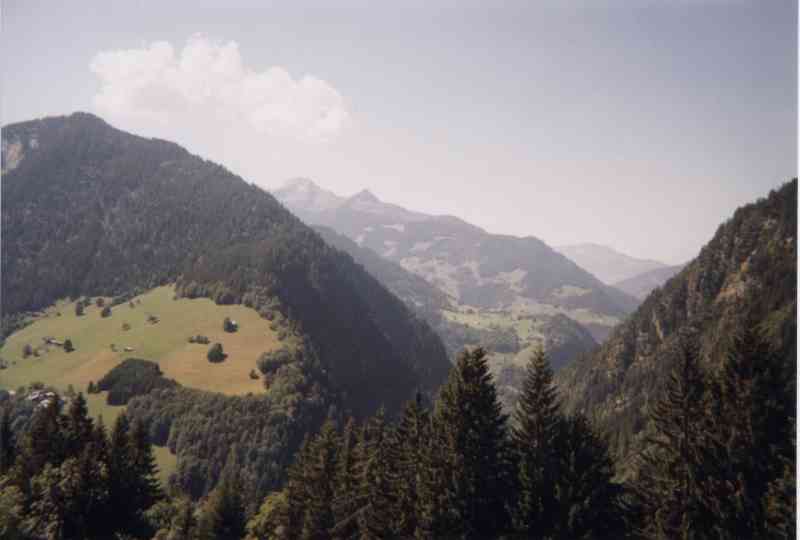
(121, 484)
(467, 476)
(677, 464)
(48, 507)
(587, 503)
(348, 498)
(11, 511)
(7, 442)
(290, 522)
(535, 440)
(408, 453)
(42, 444)
(223, 516)
(753, 418)
(375, 487)
(78, 426)
(320, 471)
(145, 489)
(184, 523)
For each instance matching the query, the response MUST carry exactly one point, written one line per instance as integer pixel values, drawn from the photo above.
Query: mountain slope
(509, 338)
(609, 265)
(642, 284)
(88, 209)
(746, 276)
(476, 269)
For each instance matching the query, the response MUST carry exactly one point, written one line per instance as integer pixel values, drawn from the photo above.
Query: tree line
(719, 463)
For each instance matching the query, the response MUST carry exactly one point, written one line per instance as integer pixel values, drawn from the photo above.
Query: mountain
(477, 270)
(300, 193)
(641, 285)
(609, 265)
(509, 338)
(89, 210)
(745, 277)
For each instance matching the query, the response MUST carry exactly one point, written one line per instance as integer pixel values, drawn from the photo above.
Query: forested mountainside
(607, 264)
(745, 277)
(641, 285)
(508, 338)
(474, 268)
(88, 209)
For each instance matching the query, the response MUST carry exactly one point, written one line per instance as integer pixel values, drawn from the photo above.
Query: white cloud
(206, 84)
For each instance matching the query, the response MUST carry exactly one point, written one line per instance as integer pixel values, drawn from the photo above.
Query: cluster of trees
(254, 435)
(132, 377)
(719, 463)
(720, 460)
(460, 471)
(65, 477)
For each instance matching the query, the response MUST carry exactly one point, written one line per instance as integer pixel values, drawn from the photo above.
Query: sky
(641, 125)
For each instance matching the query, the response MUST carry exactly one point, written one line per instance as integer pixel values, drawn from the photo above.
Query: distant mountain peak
(607, 263)
(365, 196)
(300, 184)
(303, 195)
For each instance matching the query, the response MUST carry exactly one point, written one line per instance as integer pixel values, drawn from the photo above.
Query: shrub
(27, 350)
(125, 327)
(68, 347)
(106, 312)
(78, 309)
(216, 354)
(229, 326)
(253, 374)
(100, 302)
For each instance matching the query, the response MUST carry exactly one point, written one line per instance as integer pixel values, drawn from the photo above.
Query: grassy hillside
(165, 342)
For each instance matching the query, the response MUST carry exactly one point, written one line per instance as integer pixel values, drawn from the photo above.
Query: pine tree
(122, 514)
(42, 444)
(467, 474)
(345, 480)
(223, 516)
(408, 453)
(290, 522)
(676, 464)
(753, 416)
(535, 437)
(78, 426)
(586, 501)
(48, 508)
(184, 523)
(7, 442)
(375, 488)
(146, 490)
(321, 468)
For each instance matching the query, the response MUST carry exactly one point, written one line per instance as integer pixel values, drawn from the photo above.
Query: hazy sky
(640, 125)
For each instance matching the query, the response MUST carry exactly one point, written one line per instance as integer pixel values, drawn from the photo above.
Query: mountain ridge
(608, 264)
(745, 276)
(117, 211)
